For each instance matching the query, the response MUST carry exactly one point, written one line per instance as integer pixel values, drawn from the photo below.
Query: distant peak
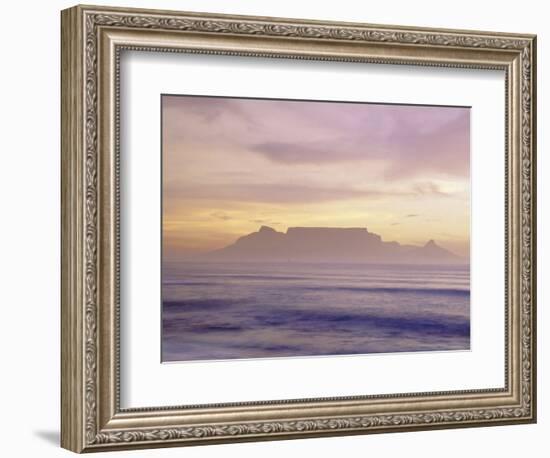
(431, 243)
(267, 229)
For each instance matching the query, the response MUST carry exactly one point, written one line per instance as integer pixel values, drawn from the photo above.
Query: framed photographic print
(263, 251)
(278, 228)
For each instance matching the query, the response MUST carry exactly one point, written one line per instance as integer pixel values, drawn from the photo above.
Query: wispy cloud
(220, 215)
(300, 152)
(429, 188)
(265, 221)
(410, 139)
(283, 193)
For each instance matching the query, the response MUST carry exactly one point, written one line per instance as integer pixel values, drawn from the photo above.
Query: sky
(231, 165)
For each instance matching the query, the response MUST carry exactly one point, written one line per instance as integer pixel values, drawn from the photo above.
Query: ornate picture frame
(93, 39)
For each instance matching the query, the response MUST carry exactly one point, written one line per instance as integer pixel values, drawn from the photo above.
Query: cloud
(272, 193)
(411, 215)
(264, 221)
(412, 141)
(307, 152)
(428, 188)
(220, 215)
(289, 193)
(188, 120)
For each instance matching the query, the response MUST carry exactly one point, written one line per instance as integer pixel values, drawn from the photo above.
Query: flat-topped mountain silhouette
(328, 244)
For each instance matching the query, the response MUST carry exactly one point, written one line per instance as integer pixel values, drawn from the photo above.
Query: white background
(29, 246)
(145, 76)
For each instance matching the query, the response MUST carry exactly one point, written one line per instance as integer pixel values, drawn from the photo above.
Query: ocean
(218, 311)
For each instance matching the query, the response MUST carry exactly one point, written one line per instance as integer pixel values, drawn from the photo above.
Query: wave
(352, 289)
(225, 313)
(398, 290)
(304, 321)
(202, 279)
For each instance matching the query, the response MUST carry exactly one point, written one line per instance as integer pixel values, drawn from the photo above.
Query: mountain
(328, 244)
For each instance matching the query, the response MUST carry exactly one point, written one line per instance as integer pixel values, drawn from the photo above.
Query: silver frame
(92, 40)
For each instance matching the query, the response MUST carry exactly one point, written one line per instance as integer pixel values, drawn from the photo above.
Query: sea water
(216, 311)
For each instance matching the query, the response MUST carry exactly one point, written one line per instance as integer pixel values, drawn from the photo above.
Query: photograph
(300, 228)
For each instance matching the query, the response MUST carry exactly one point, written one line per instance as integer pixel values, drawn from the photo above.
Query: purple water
(213, 311)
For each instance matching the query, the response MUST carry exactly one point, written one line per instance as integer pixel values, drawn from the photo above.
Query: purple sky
(400, 170)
